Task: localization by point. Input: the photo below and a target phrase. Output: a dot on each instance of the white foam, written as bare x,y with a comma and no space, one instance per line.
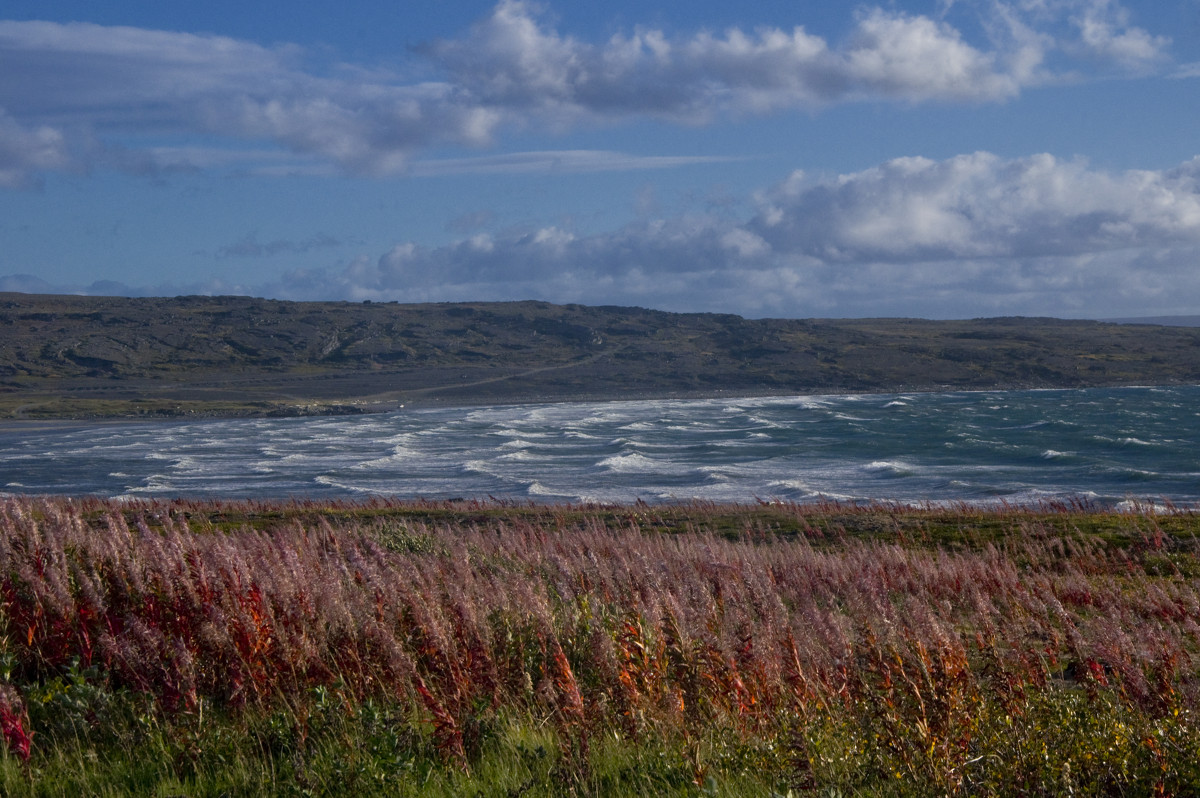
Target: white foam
185,464
791,486
379,463
513,432
768,423
322,479
893,467
538,489
155,483
1140,506
719,476
628,463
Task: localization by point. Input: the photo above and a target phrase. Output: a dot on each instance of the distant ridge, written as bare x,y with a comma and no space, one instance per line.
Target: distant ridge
1165,321
81,356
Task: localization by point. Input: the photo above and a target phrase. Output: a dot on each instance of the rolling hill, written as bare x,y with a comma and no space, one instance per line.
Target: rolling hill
74,356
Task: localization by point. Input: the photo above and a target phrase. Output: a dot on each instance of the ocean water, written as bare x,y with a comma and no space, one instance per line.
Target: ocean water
1104,445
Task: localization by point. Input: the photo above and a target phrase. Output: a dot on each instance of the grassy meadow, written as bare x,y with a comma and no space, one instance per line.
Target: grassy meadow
470,648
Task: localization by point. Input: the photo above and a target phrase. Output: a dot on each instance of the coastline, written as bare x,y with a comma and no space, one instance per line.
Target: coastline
90,359
135,411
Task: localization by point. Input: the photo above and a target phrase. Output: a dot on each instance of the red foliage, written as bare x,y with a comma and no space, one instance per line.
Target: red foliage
13,723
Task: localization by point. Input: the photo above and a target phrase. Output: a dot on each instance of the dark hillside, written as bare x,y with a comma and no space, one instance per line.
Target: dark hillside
93,356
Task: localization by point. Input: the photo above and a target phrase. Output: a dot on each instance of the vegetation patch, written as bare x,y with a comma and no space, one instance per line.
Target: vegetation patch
485,648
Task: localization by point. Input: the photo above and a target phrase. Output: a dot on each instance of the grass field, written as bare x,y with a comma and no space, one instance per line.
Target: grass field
206,648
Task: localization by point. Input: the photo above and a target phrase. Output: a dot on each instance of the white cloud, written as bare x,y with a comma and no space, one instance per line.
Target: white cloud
980,205
109,82
509,60
1095,29
26,151
1105,33
971,235
916,58
81,95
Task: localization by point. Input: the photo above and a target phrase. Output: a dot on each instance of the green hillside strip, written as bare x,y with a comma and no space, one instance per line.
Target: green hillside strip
79,357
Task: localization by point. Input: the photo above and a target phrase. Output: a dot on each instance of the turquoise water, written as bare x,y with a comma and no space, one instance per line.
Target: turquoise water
1105,445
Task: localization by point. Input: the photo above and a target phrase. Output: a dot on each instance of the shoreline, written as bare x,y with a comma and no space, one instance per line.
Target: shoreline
375,405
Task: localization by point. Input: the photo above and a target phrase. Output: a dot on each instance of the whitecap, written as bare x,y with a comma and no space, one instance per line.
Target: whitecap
378,463
328,481
517,433
538,489
1143,507
155,483
890,468
791,486
628,463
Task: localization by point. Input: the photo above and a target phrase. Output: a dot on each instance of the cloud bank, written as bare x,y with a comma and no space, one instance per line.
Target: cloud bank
972,235
78,96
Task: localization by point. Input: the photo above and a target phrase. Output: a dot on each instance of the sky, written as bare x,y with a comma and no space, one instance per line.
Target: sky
782,158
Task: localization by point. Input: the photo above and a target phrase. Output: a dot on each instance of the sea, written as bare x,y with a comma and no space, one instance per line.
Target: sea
1107,447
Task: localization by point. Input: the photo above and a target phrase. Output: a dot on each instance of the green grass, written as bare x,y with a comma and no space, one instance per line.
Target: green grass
1063,743
366,749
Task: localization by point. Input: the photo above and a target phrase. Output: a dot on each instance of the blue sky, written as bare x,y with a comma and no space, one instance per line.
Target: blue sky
936,158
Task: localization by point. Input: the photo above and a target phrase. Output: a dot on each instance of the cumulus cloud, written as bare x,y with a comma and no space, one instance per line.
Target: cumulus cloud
980,206
972,235
81,95
510,60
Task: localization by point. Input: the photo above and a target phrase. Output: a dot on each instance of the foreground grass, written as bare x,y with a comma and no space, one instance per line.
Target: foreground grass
191,648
